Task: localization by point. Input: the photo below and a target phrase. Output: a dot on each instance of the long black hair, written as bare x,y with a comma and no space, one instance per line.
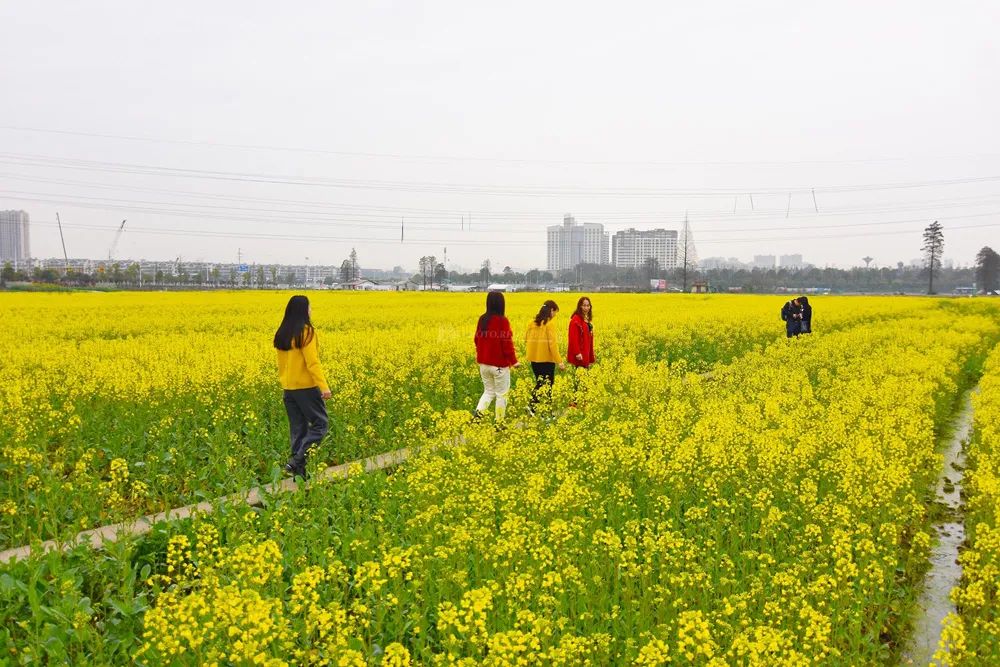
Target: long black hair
549,308
295,326
495,305
579,309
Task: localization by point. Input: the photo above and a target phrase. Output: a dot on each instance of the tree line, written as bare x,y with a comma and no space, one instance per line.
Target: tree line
985,275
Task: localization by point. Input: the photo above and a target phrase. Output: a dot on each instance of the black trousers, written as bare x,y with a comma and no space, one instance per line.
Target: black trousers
545,377
307,421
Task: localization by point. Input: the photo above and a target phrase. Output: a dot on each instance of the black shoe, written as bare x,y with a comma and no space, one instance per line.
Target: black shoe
477,416
296,469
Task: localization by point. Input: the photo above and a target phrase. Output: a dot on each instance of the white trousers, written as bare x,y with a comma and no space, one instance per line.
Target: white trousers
496,384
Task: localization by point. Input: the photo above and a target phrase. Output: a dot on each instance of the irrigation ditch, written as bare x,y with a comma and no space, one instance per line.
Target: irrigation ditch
945,572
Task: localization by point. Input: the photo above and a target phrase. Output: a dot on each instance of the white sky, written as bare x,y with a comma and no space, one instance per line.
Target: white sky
514,112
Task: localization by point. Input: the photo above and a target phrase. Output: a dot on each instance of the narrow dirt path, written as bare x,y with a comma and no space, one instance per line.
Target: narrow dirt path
95,537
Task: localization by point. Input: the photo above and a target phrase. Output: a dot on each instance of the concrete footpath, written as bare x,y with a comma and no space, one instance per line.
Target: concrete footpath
96,537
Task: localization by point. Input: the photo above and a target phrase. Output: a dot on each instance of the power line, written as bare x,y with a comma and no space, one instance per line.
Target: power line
498,160
159,209
461,188
489,242
413,212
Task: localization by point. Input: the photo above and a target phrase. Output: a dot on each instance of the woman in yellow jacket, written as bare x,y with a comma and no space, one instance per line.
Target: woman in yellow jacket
302,379
543,351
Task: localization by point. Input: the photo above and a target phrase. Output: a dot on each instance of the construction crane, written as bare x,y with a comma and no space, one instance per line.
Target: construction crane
114,244
63,239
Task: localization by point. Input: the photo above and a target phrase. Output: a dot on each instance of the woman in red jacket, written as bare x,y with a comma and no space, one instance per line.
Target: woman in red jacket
495,355
580,351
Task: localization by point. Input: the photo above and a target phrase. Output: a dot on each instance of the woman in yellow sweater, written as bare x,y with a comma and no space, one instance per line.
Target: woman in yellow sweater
543,351
302,379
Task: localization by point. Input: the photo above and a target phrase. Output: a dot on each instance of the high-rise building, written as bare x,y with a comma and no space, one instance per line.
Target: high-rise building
571,243
631,248
15,241
763,261
791,261
721,263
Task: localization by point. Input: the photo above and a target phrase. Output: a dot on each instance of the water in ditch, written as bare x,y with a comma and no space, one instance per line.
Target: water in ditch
945,572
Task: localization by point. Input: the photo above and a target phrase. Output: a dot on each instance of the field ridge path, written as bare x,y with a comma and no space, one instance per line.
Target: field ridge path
96,537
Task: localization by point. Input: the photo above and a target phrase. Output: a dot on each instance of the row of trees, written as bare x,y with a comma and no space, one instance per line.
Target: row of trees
486,276
431,271
129,276
985,274
900,278
9,274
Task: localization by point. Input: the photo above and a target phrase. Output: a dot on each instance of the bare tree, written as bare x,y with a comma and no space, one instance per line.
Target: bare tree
688,256
349,268
427,264
652,268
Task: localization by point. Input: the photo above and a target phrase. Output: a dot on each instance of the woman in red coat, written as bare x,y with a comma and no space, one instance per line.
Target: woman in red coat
495,355
580,351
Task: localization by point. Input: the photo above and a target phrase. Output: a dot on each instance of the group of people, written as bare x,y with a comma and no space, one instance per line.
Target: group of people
797,315
305,386
306,389
494,340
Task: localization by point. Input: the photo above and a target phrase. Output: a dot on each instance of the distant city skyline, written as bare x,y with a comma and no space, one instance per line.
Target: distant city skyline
707,263
637,244
567,245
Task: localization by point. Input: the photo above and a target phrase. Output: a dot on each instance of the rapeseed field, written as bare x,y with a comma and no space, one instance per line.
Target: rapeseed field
708,493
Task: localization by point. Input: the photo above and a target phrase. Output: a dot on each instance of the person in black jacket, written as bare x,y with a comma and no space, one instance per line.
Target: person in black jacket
807,315
791,313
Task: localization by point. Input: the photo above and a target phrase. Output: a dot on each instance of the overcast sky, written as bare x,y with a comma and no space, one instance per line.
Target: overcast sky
280,132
